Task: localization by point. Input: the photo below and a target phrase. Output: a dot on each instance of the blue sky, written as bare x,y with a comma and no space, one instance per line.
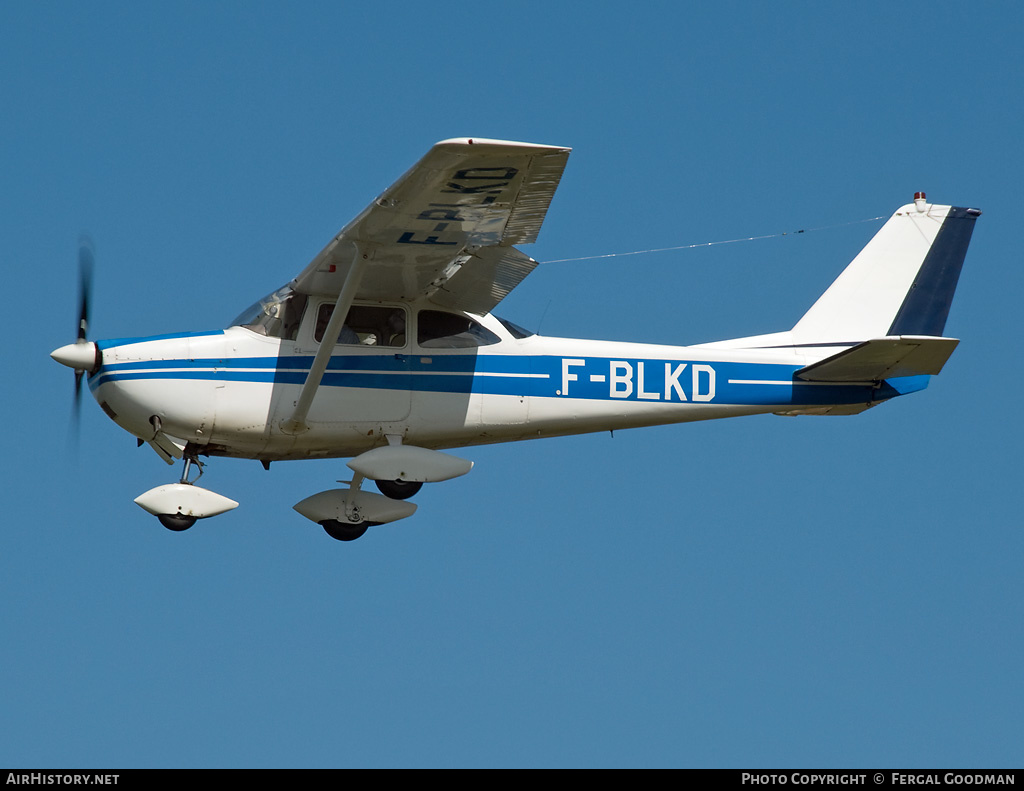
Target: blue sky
759,592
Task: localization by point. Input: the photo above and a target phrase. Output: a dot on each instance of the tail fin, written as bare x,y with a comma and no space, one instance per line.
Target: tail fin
901,283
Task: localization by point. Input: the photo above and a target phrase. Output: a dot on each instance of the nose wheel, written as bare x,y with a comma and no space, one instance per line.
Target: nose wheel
179,522
176,522
179,505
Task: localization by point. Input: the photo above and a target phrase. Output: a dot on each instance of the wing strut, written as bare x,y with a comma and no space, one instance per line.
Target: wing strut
296,424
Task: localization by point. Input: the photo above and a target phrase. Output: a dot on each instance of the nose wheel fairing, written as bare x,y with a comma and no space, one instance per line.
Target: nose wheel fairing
179,505
184,500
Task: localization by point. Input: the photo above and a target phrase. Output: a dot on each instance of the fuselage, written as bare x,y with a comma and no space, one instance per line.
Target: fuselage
228,392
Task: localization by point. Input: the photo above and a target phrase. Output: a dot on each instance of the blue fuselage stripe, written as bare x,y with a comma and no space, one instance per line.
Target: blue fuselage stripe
541,376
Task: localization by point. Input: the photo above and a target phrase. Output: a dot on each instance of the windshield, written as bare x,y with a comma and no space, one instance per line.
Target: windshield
515,329
277,315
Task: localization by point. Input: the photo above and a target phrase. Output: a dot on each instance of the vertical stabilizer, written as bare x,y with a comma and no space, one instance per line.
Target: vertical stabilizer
901,283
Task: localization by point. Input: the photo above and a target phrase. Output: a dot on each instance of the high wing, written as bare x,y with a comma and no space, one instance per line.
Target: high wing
445,229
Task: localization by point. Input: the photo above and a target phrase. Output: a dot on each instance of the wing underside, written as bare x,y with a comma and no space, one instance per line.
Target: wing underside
445,230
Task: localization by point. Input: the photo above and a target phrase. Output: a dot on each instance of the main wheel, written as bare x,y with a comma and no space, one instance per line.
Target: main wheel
176,522
399,490
345,532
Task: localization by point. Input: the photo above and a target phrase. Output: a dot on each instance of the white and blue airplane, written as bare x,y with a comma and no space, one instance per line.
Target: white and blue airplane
385,349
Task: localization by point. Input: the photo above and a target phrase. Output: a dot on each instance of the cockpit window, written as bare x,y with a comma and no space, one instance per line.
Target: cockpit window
439,330
277,315
515,329
365,325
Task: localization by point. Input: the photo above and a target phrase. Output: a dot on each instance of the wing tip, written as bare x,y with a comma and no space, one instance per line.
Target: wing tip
484,141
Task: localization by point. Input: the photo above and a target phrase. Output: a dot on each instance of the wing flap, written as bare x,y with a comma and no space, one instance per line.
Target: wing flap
882,358
484,279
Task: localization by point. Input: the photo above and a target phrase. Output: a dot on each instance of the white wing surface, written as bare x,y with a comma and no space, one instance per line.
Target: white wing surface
445,229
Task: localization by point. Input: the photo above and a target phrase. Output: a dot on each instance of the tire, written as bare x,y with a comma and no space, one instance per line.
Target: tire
399,490
176,522
345,532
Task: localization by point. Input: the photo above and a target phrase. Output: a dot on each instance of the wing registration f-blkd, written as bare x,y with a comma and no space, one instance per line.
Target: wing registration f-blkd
384,348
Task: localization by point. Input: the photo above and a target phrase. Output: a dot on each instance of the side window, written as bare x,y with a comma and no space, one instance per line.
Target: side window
439,330
365,325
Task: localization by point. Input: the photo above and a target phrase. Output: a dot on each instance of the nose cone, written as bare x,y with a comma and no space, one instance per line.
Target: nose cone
82,356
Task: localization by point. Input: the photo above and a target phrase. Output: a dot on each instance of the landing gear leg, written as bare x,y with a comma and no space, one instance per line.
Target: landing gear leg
190,459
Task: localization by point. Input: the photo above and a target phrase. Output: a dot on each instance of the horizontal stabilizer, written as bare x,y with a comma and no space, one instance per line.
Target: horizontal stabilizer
882,358
829,411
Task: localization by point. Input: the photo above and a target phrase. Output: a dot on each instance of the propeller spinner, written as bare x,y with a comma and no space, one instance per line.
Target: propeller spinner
83,355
